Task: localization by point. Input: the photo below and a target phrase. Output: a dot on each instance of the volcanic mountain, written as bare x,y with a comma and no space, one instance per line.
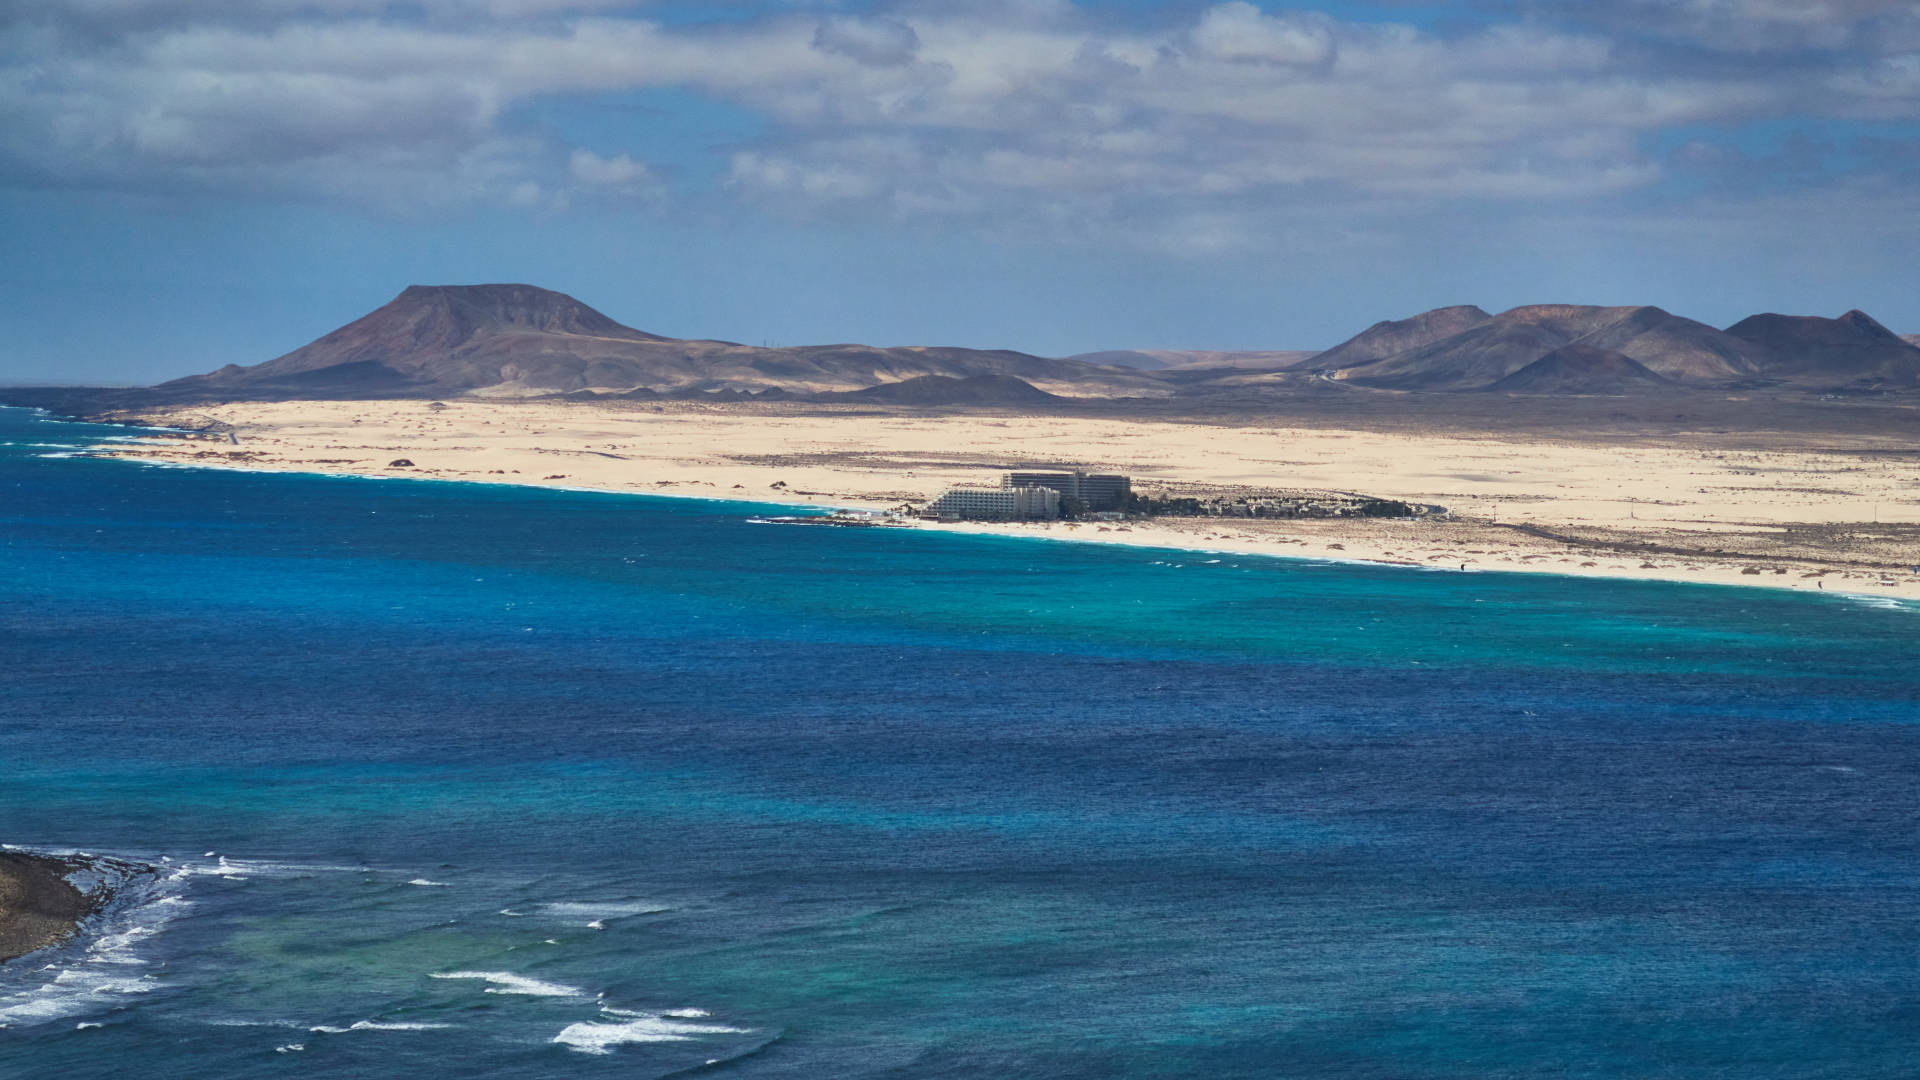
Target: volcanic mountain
518,340
1197,359
1488,351
1387,338
1850,352
1582,369
945,390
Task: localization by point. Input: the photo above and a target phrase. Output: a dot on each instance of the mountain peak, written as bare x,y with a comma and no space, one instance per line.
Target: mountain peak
1867,325
471,309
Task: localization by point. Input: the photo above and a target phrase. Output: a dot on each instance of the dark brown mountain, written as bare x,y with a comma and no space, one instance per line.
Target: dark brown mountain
518,340
933,390
1199,359
1384,339
1488,351
1582,369
1676,348
1482,355
1852,351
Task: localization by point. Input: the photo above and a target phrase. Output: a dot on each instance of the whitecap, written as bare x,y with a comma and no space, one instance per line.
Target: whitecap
424,881
241,869
289,1048
506,982
600,1038
377,1025
595,914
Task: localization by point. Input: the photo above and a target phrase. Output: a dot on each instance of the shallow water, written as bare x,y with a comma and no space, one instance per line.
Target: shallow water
532,783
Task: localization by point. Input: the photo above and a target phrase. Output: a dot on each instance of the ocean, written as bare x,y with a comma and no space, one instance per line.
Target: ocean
401,778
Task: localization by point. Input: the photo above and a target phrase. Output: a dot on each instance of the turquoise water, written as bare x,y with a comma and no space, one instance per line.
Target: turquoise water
406,776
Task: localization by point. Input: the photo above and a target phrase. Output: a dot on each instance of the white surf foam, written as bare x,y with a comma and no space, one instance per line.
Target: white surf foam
594,915
99,970
600,1038
1892,603
241,869
506,982
375,1025
424,881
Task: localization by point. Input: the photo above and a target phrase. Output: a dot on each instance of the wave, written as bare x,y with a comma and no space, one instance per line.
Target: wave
242,869
591,1037
506,982
595,914
1891,603
376,1025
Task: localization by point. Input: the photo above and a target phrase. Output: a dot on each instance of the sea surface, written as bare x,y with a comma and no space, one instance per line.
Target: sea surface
405,779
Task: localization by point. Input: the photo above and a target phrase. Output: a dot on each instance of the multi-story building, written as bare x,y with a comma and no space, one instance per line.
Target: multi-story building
1004,503
1100,491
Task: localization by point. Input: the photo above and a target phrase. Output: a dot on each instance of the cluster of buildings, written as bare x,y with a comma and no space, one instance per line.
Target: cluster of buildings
1034,496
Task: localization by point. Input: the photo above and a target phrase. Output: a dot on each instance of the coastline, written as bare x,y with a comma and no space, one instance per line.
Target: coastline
1523,504
39,907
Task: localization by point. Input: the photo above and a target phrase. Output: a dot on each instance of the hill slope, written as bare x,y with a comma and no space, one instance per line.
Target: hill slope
928,390
519,340
1480,356
1582,369
1852,351
1389,337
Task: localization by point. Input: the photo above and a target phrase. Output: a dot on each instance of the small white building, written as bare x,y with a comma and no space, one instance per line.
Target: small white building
996,504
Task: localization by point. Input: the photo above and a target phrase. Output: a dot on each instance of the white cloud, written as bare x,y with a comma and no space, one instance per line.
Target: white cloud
616,172
1240,31
1013,112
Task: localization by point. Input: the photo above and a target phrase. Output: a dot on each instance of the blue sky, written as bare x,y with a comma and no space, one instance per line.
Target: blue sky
190,183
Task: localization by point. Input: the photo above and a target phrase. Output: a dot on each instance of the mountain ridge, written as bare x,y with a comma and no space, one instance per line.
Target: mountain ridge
518,340
514,340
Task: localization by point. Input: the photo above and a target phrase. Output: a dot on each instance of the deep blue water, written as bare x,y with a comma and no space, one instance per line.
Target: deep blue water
901,804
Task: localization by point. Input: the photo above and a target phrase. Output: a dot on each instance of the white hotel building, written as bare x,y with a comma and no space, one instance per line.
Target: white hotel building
996,504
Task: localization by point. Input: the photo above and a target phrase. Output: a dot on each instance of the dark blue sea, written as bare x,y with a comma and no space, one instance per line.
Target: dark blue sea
413,779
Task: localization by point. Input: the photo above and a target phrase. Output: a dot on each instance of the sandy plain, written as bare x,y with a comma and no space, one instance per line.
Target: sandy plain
1821,511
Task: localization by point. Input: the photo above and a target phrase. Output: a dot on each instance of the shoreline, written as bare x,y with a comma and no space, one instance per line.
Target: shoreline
39,907
1588,522
1150,538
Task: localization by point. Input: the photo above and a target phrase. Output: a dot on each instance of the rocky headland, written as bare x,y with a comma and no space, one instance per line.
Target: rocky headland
39,907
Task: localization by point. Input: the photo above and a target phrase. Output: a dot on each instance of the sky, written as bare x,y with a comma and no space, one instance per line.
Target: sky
190,183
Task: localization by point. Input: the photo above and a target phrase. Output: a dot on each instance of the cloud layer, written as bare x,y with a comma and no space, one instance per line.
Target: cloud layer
1199,130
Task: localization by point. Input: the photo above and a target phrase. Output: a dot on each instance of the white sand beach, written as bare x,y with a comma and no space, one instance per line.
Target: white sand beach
1816,513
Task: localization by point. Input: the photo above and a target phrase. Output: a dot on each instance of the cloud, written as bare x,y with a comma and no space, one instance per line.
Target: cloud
1760,26
1020,115
883,42
618,176
1240,31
